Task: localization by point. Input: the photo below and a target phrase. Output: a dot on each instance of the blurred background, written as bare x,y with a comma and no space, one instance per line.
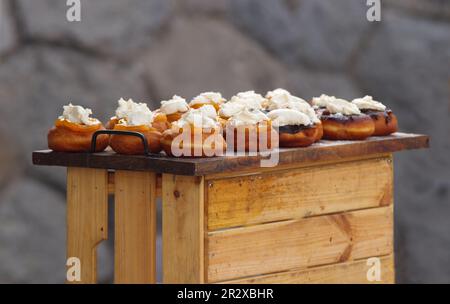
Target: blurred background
149,50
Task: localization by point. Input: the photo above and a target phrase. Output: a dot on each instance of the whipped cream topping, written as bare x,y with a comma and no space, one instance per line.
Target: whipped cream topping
277,92
288,117
244,100
250,98
322,101
208,97
232,108
199,118
247,117
282,99
367,103
174,105
131,113
305,108
209,111
78,115
341,106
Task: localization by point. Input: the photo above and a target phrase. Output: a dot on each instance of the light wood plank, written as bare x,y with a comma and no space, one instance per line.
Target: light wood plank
183,229
296,244
354,272
297,193
111,182
87,218
135,227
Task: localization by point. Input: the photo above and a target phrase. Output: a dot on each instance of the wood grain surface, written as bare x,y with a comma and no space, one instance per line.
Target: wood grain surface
135,227
299,192
322,151
87,218
183,229
353,272
297,244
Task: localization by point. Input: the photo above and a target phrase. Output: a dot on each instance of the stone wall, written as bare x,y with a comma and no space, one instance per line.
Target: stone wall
151,49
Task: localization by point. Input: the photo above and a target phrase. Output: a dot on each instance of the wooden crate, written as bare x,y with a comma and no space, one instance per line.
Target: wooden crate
298,219
317,217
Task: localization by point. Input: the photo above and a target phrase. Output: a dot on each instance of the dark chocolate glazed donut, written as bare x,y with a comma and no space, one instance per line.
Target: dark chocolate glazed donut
297,135
385,121
346,127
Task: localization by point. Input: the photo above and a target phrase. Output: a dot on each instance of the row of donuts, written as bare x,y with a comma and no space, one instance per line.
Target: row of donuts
297,122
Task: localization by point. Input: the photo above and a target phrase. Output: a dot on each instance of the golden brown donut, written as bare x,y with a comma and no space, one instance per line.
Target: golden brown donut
132,145
319,134
207,146
160,122
385,122
112,123
297,136
66,136
174,117
199,105
263,133
352,127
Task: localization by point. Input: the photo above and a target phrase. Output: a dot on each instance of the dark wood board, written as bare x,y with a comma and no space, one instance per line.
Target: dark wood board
325,150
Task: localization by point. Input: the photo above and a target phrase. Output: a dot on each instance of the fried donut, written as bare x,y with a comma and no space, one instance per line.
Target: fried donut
160,122
319,134
212,143
385,122
346,127
297,136
67,136
248,137
174,108
132,145
208,98
112,123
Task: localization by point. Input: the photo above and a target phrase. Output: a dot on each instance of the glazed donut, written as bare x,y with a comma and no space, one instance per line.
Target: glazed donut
131,145
248,137
295,128
347,127
385,122
112,123
319,134
160,122
174,116
208,98
67,136
174,108
297,136
281,99
212,143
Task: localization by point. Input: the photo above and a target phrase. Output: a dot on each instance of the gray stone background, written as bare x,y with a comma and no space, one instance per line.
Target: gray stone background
151,49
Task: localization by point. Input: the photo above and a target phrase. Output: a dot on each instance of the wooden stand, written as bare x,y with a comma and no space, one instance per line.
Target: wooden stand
315,218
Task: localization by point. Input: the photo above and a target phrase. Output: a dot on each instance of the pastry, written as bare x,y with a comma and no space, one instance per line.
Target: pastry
159,120
250,130
73,131
385,121
295,129
135,118
282,99
174,108
207,98
319,104
244,100
342,120
195,134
